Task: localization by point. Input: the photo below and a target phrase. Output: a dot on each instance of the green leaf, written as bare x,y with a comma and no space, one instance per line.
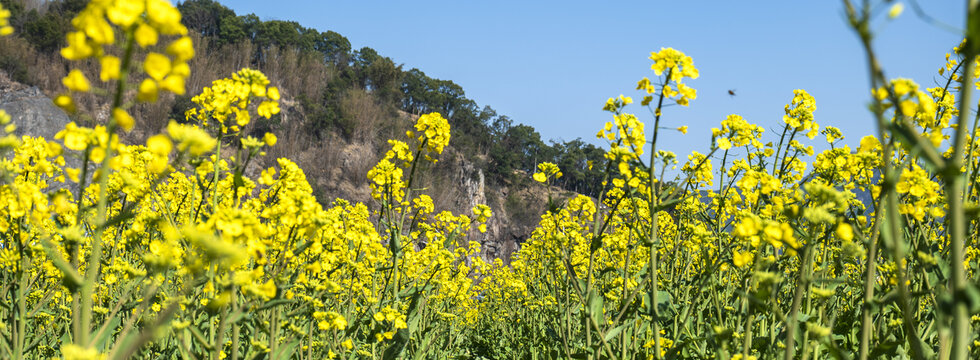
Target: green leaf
919,147
413,322
595,244
972,295
286,351
100,343
302,247
972,211
665,305
396,348
596,301
274,303
607,270
667,204
581,284
426,342
888,298
236,316
614,332
643,271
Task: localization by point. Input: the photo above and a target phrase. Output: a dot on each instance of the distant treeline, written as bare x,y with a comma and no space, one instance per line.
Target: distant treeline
508,151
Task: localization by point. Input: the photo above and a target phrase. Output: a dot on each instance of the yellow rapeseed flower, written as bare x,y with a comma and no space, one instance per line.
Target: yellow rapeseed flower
145,35
157,66
269,139
110,68
182,49
159,145
5,28
125,12
76,81
845,231
78,47
75,352
896,10
123,119
148,91
65,102
741,259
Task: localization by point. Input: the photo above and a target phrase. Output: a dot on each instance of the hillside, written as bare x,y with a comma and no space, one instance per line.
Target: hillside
340,106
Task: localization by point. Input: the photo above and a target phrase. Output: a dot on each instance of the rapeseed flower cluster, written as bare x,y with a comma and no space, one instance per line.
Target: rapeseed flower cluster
226,102
737,132
175,240
761,248
5,28
433,134
546,171
774,236
141,23
677,66
799,113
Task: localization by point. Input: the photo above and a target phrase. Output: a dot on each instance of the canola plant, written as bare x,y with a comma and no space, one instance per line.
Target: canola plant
169,250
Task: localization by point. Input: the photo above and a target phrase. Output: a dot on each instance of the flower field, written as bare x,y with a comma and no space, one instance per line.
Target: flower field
762,248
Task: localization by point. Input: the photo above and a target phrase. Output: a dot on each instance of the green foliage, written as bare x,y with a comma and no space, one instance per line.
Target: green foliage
518,148
233,29
44,31
14,67
182,103
208,18
224,27
581,164
325,114
335,47
382,76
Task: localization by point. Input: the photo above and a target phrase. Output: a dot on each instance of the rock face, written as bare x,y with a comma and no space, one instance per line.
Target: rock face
34,114
32,111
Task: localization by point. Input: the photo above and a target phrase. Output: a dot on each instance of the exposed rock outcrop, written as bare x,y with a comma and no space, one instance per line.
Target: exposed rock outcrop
32,111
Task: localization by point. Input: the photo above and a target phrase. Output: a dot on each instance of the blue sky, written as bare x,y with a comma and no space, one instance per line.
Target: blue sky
552,65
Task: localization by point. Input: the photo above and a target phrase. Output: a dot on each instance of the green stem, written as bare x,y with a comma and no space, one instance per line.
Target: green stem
21,336
971,164
801,286
869,283
892,232
95,260
779,148
652,202
954,181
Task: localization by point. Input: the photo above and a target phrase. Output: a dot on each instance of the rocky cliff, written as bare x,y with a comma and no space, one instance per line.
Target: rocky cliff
32,111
